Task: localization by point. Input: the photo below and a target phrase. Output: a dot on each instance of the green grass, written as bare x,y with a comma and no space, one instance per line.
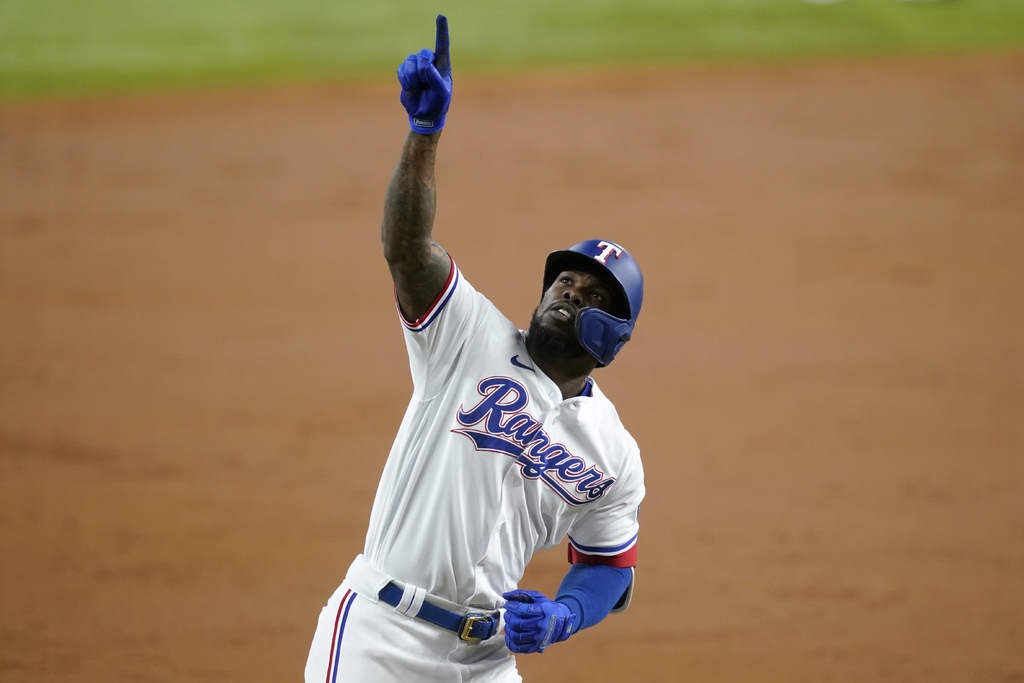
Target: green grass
70,47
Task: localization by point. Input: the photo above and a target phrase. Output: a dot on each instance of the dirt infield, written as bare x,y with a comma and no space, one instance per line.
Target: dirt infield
201,368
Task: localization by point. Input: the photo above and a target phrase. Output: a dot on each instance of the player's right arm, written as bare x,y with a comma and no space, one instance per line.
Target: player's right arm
419,266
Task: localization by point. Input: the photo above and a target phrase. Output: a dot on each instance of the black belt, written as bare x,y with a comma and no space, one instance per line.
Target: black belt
470,627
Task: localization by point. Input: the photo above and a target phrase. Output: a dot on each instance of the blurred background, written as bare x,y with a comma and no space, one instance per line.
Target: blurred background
201,370
56,47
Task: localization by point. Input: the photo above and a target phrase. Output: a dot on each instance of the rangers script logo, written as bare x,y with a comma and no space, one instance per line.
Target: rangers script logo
505,429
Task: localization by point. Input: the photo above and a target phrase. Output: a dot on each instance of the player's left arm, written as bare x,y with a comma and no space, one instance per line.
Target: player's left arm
602,552
589,593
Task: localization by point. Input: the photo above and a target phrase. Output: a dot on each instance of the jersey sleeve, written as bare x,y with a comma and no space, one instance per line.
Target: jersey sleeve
608,534
438,339
437,306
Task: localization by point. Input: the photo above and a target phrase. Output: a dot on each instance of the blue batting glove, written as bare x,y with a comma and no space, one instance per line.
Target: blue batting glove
533,621
426,79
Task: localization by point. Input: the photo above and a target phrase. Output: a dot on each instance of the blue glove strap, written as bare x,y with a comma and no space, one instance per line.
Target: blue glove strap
426,126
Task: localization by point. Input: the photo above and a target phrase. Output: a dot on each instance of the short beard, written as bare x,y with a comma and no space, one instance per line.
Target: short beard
554,344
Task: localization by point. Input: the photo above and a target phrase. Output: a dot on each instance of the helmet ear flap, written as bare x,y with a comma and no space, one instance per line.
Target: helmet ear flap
602,334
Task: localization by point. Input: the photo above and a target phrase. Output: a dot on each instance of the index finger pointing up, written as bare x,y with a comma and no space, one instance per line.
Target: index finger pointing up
442,61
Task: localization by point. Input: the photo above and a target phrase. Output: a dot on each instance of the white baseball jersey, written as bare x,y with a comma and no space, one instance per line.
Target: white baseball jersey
491,464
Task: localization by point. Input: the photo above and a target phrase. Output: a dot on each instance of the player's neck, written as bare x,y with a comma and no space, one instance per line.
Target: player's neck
570,378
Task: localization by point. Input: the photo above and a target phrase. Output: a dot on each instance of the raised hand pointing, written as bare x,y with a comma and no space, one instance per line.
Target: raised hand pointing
426,80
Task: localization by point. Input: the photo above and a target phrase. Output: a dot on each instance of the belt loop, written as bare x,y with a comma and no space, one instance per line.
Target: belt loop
411,602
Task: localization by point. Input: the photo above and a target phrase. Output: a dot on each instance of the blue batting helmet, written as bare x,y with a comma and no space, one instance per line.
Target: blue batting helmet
602,334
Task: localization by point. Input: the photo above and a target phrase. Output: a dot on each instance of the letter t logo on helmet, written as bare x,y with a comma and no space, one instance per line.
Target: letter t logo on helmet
608,247
602,334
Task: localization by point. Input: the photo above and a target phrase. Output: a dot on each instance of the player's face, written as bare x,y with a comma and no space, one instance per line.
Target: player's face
553,327
570,293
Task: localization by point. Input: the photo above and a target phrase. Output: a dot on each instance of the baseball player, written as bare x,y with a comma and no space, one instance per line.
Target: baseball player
507,447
